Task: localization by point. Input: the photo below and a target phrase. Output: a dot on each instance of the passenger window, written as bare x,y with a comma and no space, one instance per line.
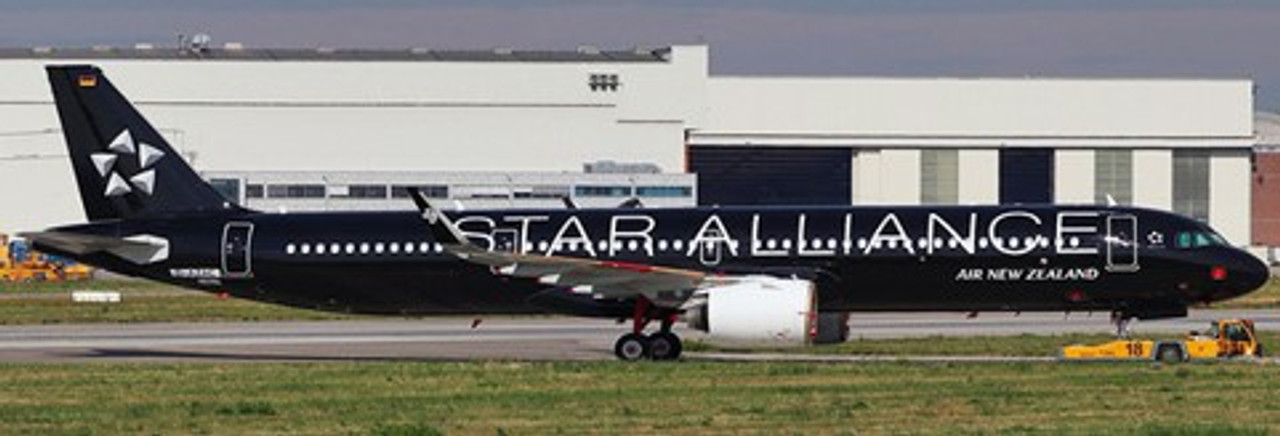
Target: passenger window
1184,240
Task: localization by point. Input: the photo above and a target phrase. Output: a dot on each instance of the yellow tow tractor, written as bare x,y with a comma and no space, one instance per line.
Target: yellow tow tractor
18,263
1225,338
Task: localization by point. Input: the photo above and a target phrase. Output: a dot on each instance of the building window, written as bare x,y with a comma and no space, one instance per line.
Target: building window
664,191
1113,176
253,191
482,191
541,191
602,191
939,176
1026,175
603,82
295,191
229,188
431,191
1191,183
366,191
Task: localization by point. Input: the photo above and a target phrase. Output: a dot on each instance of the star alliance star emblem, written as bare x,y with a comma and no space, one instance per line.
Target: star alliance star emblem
1155,238
144,179
431,215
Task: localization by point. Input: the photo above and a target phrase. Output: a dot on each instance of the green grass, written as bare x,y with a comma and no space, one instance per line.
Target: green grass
128,285
614,398
142,301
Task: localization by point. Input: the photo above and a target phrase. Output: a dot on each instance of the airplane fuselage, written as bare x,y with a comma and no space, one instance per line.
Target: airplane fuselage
1017,258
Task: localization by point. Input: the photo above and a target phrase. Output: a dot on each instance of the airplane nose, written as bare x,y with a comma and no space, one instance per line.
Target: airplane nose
1250,273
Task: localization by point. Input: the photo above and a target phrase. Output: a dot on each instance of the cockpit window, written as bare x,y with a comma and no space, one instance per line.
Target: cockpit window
1203,240
1184,240
1219,239
1200,239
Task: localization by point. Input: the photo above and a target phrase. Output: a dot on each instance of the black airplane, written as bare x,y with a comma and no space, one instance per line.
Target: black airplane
754,274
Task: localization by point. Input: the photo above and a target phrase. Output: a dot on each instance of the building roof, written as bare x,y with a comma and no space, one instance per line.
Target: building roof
235,52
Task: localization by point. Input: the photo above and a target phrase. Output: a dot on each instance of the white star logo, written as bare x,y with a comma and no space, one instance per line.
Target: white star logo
431,215
144,179
1155,238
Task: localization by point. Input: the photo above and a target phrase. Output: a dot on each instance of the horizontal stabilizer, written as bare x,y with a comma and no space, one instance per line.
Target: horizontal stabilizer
139,249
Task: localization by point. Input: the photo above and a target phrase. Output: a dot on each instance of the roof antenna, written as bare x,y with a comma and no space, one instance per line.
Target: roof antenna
1111,201
568,202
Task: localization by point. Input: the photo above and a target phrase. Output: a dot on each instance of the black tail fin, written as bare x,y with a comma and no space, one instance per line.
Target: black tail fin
123,167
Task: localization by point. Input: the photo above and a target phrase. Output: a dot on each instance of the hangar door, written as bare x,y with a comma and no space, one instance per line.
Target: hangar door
742,175
1026,175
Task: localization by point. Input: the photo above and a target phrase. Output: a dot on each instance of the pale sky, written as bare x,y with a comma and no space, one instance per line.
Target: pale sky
1084,38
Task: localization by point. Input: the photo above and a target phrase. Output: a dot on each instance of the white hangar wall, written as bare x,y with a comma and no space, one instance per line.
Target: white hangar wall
903,134
949,108
347,114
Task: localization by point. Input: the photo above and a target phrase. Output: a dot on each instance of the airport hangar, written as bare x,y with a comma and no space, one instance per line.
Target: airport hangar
308,129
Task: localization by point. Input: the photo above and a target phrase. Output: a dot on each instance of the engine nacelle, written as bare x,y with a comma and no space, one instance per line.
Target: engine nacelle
758,310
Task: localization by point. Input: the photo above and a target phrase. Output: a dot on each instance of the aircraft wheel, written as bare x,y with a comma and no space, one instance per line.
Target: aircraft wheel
631,347
665,346
1169,354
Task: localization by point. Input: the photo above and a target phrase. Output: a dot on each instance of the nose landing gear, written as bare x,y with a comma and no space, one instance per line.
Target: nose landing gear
1121,320
661,345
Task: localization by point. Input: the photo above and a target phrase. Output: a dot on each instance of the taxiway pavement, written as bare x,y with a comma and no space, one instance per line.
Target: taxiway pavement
453,338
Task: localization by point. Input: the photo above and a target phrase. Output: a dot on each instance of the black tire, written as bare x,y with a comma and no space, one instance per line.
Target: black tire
1169,354
1257,351
833,328
631,347
665,346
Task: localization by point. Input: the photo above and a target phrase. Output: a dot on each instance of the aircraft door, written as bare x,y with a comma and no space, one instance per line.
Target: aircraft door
709,252
1122,243
237,248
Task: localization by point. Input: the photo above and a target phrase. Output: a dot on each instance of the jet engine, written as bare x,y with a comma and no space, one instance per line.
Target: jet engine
758,310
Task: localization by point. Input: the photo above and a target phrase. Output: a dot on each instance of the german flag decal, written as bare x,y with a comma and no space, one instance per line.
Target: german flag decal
87,80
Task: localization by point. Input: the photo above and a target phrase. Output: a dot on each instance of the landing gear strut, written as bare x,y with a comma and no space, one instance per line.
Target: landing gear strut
662,345
1121,321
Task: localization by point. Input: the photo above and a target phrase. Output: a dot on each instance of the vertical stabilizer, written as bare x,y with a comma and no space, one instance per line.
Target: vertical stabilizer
123,167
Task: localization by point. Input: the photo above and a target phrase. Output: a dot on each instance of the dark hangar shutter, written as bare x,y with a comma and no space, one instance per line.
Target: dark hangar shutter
1026,175
738,175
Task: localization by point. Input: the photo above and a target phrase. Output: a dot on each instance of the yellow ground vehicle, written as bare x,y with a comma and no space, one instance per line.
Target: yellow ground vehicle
1225,338
19,264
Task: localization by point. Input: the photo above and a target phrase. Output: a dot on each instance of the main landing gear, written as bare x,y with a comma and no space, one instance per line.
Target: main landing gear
661,345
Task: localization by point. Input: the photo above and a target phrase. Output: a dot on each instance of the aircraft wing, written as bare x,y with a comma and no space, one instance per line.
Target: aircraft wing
601,278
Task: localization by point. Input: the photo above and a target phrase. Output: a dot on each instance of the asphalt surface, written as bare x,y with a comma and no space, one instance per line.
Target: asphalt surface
551,338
